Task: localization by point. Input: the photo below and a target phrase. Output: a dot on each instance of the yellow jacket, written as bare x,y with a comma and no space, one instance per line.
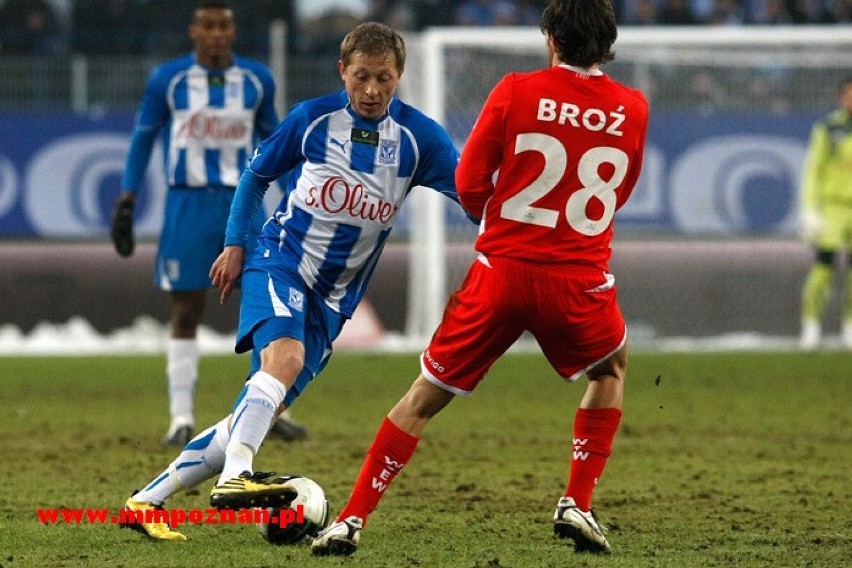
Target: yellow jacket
828,170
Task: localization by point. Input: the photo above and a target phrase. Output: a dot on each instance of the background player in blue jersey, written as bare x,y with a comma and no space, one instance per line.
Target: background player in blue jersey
351,159
211,108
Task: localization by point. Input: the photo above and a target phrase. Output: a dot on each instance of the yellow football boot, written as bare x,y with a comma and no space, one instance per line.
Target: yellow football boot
147,519
253,490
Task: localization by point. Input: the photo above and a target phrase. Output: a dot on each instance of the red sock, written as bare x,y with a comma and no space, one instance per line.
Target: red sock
594,430
391,450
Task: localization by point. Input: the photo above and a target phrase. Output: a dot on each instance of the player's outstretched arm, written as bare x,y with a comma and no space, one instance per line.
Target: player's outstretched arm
226,271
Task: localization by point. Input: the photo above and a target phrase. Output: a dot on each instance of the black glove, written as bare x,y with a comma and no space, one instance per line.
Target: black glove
122,226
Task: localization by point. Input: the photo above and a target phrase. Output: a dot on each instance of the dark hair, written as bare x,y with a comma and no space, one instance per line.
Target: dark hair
210,5
373,38
582,31
844,83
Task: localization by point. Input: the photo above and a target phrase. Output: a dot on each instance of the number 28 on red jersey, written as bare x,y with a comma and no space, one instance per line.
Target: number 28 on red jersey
567,147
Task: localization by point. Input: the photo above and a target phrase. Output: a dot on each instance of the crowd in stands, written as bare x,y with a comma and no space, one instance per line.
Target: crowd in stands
158,27
116,27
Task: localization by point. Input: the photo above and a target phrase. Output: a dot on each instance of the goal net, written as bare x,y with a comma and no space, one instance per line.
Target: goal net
703,82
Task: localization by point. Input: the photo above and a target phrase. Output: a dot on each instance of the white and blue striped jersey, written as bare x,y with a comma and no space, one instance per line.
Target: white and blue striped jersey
347,178
210,121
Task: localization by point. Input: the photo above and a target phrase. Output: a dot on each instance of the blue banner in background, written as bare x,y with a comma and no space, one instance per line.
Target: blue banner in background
720,174
60,174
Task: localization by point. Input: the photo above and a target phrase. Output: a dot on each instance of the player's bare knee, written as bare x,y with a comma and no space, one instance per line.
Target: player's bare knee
187,312
185,326
424,400
284,359
285,368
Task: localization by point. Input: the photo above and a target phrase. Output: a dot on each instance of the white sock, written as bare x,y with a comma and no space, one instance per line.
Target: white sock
846,333
161,488
182,371
252,418
810,334
201,459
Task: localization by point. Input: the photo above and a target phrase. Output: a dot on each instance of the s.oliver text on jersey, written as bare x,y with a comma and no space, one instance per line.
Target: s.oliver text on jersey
591,119
339,196
205,125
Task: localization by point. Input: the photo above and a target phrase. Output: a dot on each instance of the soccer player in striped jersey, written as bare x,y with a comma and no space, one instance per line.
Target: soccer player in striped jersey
210,108
568,142
350,159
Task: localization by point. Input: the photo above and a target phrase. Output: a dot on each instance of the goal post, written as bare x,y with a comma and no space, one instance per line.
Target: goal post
749,90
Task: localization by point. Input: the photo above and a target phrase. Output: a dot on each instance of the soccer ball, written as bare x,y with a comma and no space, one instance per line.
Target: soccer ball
306,516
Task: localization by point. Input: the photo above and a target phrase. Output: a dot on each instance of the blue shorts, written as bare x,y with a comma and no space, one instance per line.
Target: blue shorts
193,235
276,303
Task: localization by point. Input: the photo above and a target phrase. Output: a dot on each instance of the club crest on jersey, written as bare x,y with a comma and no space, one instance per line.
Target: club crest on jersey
387,152
296,300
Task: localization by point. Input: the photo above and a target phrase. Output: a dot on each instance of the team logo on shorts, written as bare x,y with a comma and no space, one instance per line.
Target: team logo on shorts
173,269
387,152
296,300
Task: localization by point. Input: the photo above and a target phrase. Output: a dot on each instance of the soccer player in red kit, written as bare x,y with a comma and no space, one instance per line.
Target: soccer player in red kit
568,143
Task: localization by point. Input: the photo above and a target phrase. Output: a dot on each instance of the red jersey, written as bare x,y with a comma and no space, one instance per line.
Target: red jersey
568,146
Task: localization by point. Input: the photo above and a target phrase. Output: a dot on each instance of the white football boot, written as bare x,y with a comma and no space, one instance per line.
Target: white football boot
339,539
581,527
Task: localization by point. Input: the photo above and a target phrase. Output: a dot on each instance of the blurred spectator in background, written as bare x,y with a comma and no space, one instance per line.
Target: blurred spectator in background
30,27
702,10
646,13
398,14
528,12
154,27
706,94
432,13
485,13
254,18
809,11
628,11
728,13
675,13
771,12
105,27
279,9
323,23
762,92
841,11
163,26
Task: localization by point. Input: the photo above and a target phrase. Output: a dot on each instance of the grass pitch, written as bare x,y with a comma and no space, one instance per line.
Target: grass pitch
722,460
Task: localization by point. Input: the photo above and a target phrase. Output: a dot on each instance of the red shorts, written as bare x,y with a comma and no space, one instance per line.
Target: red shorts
572,312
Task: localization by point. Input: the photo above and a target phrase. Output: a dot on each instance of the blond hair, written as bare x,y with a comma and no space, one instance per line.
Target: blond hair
373,39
